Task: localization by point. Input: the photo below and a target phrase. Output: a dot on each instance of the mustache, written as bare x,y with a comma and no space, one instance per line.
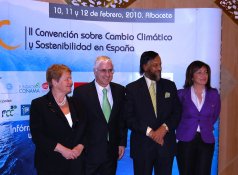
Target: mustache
155,76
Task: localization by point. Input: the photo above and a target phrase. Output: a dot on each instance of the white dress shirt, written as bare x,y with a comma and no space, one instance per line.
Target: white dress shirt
148,82
100,93
69,119
197,102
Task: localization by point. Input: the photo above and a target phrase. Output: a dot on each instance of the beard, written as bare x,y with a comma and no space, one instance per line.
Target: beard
155,76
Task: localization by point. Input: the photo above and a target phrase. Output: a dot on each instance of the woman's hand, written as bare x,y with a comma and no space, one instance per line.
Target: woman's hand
65,152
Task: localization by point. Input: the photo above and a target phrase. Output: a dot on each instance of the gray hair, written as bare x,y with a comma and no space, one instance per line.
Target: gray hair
101,59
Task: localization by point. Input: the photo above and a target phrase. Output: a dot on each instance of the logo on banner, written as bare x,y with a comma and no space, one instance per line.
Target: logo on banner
9,112
45,86
25,109
8,88
31,88
2,43
5,100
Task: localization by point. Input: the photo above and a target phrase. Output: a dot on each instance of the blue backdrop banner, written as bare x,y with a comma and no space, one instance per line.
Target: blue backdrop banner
34,35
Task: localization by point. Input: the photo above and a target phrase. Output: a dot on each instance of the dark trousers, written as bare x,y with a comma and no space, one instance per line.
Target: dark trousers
52,173
77,171
195,157
71,167
152,160
107,167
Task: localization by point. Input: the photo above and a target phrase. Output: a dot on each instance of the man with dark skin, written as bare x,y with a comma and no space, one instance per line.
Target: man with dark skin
152,112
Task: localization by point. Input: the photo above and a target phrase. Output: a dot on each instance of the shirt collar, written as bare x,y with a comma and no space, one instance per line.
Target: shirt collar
100,88
148,81
203,91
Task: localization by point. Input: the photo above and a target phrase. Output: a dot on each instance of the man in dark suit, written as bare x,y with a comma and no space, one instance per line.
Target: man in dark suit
152,111
105,129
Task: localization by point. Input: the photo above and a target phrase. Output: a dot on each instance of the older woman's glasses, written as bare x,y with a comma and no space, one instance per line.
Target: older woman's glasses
104,71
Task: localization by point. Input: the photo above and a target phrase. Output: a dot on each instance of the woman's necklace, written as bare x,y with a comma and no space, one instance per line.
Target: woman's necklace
63,102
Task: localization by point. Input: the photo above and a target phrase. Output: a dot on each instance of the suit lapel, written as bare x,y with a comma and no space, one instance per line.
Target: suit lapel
206,101
145,97
192,103
159,96
115,100
55,108
93,96
190,99
73,113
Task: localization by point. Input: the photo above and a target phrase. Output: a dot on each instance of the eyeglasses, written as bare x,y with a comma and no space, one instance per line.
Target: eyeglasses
104,71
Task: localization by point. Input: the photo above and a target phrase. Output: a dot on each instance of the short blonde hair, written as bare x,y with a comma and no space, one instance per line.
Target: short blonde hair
55,71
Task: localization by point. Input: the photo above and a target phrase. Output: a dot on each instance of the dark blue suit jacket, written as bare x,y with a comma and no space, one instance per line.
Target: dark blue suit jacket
139,114
97,145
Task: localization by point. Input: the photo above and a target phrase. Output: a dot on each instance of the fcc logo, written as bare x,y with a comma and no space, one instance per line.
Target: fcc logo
9,112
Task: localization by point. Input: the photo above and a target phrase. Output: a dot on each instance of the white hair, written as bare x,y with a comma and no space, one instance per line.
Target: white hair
101,59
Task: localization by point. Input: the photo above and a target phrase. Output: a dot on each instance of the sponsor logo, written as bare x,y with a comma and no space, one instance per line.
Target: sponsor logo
2,43
5,101
45,86
25,109
34,88
9,112
9,86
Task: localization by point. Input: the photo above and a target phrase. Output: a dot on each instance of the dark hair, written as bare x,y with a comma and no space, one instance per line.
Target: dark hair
145,57
55,71
192,68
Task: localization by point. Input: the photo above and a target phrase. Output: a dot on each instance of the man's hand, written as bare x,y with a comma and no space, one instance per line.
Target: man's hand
158,135
121,151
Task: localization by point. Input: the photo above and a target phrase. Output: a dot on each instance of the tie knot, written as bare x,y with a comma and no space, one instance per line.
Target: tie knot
104,91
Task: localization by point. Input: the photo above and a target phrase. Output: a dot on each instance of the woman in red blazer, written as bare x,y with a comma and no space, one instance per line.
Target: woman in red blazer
57,128
200,110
